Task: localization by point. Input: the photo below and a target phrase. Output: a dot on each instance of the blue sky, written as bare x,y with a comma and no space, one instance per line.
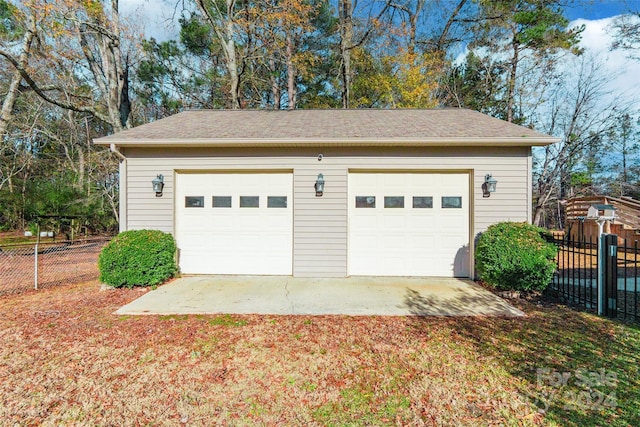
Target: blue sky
155,12
154,16
598,9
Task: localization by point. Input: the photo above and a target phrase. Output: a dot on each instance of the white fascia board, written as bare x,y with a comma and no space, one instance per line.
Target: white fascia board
330,142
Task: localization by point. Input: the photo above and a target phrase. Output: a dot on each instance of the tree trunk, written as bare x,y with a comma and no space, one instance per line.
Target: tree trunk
223,25
346,40
232,66
118,101
291,75
545,190
413,25
8,108
231,55
101,45
9,102
538,211
275,87
511,83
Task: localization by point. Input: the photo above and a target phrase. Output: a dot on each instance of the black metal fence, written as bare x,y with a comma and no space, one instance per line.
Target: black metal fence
576,277
627,280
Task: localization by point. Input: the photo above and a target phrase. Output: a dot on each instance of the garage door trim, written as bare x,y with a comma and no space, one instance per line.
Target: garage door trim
181,192
459,171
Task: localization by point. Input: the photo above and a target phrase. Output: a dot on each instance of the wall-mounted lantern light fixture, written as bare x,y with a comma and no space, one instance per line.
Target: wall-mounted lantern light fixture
158,185
319,186
489,185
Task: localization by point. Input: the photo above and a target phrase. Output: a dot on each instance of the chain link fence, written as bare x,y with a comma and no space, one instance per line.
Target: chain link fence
45,264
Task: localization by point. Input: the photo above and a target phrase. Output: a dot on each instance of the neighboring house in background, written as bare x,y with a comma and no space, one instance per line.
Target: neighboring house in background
626,223
403,189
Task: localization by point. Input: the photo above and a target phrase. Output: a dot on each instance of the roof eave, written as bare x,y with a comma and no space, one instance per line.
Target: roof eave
329,142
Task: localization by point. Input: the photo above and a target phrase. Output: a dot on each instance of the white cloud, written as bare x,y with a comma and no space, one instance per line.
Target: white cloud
624,72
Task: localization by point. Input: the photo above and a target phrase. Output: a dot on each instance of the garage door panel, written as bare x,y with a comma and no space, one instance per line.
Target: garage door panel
246,223
423,243
447,221
451,247
390,222
391,242
364,224
235,240
366,241
395,266
409,241
420,225
221,222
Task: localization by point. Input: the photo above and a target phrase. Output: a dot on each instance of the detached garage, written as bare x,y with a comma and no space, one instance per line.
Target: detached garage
325,193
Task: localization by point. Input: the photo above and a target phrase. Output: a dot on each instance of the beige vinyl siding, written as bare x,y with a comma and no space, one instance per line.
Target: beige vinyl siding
144,209
320,235
319,223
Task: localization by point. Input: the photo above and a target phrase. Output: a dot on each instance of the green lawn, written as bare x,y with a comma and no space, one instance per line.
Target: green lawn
65,359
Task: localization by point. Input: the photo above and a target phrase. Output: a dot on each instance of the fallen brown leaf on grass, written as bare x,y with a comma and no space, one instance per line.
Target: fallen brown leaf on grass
65,359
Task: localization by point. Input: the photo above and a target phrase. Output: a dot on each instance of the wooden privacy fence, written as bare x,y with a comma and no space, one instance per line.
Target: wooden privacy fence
625,226
576,278
39,265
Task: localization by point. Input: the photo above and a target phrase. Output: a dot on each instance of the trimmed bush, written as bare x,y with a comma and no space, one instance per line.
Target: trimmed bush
138,258
514,256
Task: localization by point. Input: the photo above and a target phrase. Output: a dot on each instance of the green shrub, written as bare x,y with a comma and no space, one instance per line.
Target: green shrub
138,258
515,256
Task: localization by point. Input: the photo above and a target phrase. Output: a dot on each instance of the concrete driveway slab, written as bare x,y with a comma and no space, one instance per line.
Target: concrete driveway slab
354,296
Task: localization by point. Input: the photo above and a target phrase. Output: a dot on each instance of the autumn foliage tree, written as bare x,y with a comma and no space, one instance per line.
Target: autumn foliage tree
405,80
81,63
72,70
70,79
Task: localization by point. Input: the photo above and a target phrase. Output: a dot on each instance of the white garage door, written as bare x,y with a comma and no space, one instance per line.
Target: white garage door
234,223
409,224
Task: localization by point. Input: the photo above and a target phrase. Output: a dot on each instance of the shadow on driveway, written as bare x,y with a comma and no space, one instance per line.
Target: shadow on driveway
458,302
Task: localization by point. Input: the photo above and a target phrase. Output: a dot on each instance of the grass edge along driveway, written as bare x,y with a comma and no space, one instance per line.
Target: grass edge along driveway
65,359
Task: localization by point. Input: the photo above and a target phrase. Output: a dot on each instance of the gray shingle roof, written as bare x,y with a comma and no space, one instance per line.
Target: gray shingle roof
327,127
